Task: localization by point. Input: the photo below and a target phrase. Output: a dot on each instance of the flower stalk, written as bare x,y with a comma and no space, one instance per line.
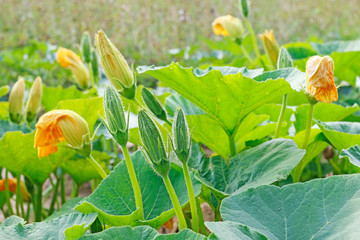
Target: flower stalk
308,125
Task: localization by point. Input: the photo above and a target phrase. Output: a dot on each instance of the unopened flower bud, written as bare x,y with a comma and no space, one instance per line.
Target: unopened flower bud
153,144
94,63
69,59
245,7
270,45
115,66
34,101
114,116
320,79
284,59
62,125
86,47
153,104
181,136
228,26
16,100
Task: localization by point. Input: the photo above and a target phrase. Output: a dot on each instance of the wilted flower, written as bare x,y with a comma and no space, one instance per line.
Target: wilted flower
228,26
320,79
16,100
12,188
62,125
271,46
115,66
34,100
69,59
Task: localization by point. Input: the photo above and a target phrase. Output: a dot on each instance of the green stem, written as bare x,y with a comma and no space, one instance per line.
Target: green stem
190,189
38,206
308,125
62,189
134,181
217,214
7,194
201,218
54,197
175,201
28,212
232,145
318,165
168,122
246,54
253,36
75,190
281,116
19,200
97,166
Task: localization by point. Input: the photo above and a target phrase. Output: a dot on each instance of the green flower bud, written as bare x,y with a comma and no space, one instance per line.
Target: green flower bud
181,136
245,7
284,59
153,104
34,101
94,63
115,66
16,100
154,148
86,47
114,116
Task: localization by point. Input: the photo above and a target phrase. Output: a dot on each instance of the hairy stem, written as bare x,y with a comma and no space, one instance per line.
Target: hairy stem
190,189
97,166
281,116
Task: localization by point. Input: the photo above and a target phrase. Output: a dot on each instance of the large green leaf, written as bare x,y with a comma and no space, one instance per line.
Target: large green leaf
323,112
124,233
234,231
49,229
81,170
318,209
328,48
353,154
51,95
261,165
142,233
341,134
7,126
114,198
4,90
226,98
88,108
17,153
300,50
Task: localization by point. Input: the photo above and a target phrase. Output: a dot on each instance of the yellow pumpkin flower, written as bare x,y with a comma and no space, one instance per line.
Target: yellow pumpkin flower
228,26
12,182
115,66
69,59
270,45
62,125
320,79
16,99
34,100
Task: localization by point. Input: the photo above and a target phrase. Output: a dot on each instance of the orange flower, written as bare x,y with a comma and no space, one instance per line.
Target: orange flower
62,125
320,79
228,26
69,59
12,187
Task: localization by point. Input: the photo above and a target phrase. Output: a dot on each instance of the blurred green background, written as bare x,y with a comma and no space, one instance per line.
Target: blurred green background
144,30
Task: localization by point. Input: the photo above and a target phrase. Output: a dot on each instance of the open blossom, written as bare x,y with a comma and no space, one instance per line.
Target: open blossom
62,125
69,59
320,79
12,182
228,26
